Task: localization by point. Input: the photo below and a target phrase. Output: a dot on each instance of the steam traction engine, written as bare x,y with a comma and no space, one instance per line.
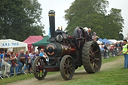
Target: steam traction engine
67,53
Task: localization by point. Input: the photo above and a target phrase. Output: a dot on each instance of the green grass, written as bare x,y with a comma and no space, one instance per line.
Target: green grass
106,77
111,59
113,76
15,78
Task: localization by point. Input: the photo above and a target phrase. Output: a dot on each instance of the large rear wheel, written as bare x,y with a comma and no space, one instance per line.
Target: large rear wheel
67,67
39,68
91,57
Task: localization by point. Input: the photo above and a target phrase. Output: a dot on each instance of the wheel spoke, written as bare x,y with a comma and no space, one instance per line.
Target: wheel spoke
91,52
68,60
97,59
39,74
70,65
69,71
95,65
92,47
96,51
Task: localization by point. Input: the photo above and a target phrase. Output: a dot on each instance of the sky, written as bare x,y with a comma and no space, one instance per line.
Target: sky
59,6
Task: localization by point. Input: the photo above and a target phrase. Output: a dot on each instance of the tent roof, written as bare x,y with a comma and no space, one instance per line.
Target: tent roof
100,40
42,42
113,40
32,39
10,43
104,41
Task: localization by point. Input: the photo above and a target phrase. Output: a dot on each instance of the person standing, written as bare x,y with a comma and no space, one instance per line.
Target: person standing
28,61
88,35
102,50
116,48
125,53
79,32
120,46
106,51
112,50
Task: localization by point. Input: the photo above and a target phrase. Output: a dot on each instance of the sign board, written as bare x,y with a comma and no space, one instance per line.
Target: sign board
9,43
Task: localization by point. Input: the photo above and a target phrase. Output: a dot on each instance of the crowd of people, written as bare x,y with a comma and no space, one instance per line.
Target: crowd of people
12,63
108,50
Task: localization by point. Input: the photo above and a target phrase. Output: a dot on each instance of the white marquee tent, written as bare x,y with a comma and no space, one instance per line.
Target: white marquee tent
12,45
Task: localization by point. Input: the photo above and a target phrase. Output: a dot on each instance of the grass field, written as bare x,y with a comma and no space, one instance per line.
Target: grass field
114,76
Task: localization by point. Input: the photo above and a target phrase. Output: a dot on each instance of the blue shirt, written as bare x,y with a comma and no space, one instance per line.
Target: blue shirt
101,48
41,54
1,56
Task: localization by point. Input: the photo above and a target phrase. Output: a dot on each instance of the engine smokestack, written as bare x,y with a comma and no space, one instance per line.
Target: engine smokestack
52,24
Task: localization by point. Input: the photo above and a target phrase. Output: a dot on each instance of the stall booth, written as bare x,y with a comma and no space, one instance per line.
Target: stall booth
30,40
13,45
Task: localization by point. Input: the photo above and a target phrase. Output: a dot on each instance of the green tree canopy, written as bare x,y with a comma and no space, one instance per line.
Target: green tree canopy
113,24
20,18
93,14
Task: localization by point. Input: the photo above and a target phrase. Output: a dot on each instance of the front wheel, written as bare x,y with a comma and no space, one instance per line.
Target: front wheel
67,67
39,68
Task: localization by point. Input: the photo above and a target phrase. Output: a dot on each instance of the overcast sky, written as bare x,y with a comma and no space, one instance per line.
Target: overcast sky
60,5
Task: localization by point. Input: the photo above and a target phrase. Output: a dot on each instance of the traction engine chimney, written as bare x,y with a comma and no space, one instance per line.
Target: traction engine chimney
52,24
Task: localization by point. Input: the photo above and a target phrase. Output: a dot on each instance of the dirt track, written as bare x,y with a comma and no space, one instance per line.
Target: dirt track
56,79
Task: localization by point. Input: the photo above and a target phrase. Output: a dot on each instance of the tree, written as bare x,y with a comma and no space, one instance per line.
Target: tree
120,37
93,14
20,19
113,24
81,11
117,22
